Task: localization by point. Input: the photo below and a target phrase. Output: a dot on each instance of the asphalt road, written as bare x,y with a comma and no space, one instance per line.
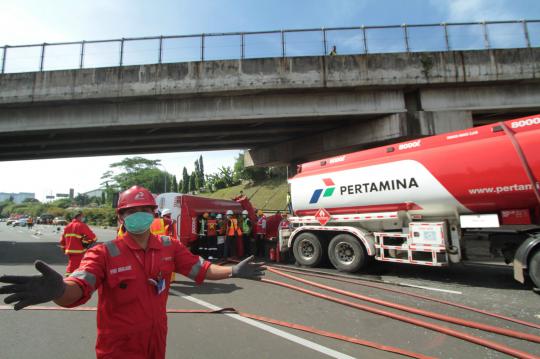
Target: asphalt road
63,334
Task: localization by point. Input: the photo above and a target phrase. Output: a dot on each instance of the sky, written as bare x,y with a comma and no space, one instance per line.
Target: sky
38,21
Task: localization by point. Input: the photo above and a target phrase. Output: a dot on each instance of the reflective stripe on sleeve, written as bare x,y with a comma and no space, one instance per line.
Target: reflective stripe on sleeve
112,248
196,269
74,251
86,276
166,241
73,235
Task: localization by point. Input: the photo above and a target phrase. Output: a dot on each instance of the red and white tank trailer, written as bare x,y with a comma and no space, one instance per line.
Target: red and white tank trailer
470,195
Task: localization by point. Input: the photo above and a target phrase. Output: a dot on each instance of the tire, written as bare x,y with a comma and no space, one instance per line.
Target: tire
346,253
308,250
534,268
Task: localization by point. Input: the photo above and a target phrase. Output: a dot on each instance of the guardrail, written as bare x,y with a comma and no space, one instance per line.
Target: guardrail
264,44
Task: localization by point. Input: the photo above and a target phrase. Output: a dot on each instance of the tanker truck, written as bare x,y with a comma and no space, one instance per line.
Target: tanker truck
470,195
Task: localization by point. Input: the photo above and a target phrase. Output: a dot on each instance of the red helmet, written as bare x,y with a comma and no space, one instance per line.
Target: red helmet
134,197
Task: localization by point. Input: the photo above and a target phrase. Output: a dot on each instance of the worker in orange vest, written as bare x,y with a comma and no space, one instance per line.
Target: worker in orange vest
164,225
77,237
234,235
131,275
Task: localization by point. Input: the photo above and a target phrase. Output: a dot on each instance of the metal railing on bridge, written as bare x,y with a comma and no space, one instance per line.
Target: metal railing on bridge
265,44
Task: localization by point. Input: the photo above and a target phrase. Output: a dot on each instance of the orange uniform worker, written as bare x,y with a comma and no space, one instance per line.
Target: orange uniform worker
233,241
77,237
131,275
164,225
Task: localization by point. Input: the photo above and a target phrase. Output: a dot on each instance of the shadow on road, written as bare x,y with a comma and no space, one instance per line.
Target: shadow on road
24,253
460,274
189,288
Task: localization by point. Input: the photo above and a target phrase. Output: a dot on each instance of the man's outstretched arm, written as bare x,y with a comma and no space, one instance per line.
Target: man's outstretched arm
31,290
246,269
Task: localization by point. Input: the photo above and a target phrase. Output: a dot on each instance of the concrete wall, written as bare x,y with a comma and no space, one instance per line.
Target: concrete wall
273,74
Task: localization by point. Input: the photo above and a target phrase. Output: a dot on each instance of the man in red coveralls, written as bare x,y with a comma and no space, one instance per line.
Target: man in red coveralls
132,275
77,237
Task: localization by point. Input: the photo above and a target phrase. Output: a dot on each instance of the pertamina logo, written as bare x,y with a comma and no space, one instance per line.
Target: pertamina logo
139,196
328,191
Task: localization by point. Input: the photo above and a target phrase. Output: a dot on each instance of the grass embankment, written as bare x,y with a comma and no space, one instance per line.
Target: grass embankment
269,195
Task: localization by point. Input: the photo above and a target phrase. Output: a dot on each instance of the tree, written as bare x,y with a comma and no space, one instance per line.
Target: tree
174,185
201,171
137,171
192,183
82,199
185,181
30,200
197,172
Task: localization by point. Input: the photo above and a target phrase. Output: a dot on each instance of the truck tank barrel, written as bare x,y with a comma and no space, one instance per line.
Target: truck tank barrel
477,170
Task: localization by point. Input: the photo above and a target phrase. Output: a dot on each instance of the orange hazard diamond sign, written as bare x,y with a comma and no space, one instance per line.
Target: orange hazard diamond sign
322,216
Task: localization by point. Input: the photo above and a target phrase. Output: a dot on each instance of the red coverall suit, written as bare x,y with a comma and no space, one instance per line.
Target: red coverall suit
131,315
76,236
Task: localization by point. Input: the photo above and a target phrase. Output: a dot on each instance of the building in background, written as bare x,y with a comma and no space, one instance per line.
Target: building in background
17,197
95,193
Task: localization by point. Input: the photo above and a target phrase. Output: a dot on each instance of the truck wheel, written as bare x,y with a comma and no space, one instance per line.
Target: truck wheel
534,268
346,253
307,249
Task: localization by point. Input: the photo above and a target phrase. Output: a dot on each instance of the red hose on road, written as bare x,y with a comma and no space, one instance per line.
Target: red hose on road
426,313
471,338
304,328
457,305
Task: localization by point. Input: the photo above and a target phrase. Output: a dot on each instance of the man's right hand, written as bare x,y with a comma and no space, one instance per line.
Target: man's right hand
31,290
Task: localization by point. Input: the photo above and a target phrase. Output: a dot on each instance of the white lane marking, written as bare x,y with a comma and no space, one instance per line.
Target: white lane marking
293,338
430,288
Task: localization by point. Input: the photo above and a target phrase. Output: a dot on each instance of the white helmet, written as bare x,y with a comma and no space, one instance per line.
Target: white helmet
219,216
229,212
165,212
245,212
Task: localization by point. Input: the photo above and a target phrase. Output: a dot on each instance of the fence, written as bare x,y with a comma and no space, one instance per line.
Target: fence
264,44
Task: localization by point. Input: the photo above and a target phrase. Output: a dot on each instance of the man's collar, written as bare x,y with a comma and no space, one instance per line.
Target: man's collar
153,242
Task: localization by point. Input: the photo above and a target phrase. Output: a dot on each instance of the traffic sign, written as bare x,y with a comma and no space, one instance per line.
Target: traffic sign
322,216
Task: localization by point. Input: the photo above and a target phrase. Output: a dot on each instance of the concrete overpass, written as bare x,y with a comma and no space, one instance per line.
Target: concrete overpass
284,110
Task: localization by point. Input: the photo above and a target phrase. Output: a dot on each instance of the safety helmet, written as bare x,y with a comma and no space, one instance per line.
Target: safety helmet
135,196
165,212
77,213
245,212
219,216
229,212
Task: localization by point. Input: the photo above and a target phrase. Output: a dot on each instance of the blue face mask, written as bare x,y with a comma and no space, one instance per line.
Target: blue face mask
138,222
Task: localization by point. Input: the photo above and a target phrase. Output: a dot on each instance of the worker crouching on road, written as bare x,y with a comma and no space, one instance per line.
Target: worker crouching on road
75,240
132,276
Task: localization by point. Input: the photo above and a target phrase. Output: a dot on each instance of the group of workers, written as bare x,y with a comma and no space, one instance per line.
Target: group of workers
131,273
233,236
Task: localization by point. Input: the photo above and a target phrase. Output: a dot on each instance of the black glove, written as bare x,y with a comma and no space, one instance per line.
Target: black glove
29,290
247,269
